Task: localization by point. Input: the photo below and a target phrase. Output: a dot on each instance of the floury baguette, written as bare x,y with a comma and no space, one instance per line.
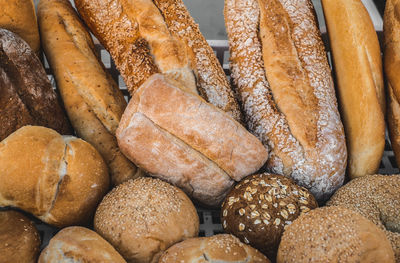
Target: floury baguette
180,138
91,97
146,37
283,79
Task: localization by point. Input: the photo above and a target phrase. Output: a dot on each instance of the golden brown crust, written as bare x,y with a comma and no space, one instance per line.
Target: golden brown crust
261,206
144,217
358,67
300,147
19,17
58,179
392,70
377,197
92,99
334,234
119,34
213,84
19,238
204,143
79,244
219,248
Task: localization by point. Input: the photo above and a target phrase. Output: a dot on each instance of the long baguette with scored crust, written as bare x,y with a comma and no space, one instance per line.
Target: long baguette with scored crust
281,73
391,24
92,99
358,66
145,37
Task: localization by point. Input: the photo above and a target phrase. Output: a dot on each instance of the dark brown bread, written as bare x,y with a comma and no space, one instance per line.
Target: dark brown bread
260,208
19,238
26,95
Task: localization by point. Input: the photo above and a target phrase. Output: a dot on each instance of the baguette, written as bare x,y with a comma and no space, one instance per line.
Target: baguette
358,67
282,76
392,69
145,40
92,99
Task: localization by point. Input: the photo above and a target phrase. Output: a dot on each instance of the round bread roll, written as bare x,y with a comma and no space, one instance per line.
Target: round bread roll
142,218
59,179
334,234
220,248
19,17
260,207
79,244
377,197
19,238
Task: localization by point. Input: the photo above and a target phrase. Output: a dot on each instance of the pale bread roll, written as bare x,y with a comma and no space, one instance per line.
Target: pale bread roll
187,141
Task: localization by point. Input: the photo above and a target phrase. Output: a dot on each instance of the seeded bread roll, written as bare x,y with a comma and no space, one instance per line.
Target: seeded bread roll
142,218
19,17
219,248
377,197
334,234
191,144
281,73
19,238
358,67
145,37
26,95
78,244
59,179
260,208
92,99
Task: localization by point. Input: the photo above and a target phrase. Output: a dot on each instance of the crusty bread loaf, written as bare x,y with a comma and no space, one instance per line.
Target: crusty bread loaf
334,234
281,73
358,67
213,85
91,97
19,16
19,238
59,179
391,51
377,197
26,95
141,42
219,248
78,244
191,144
141,218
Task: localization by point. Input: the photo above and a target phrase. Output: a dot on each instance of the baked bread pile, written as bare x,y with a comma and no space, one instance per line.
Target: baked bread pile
119,176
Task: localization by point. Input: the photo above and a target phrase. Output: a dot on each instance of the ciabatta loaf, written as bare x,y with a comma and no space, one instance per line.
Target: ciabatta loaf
186,141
